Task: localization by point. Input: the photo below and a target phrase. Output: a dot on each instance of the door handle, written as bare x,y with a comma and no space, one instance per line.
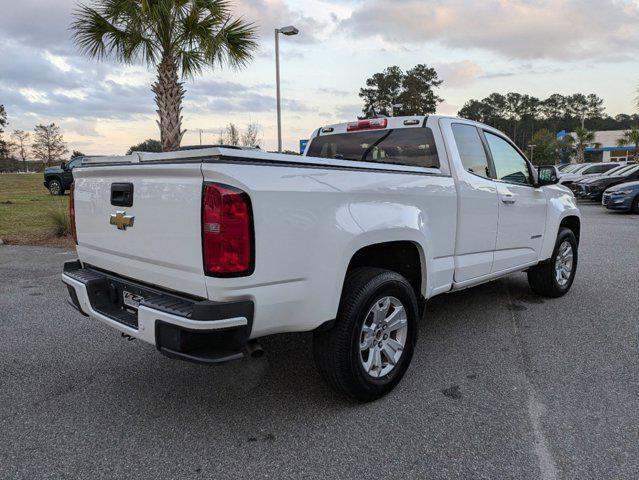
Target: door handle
508,198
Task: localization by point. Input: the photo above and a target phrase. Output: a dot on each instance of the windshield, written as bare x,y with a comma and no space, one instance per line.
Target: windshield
404,146
632,169
564,168
581,168
613,171
573,168
625,169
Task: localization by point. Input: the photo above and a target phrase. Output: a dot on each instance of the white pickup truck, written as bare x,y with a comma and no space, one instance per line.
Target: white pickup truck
202,252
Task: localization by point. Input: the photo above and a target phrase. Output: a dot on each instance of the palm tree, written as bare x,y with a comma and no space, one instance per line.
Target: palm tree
584,138
177,38
631,137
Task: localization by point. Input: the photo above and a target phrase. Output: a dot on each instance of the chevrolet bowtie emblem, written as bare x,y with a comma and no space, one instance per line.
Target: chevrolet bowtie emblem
121,220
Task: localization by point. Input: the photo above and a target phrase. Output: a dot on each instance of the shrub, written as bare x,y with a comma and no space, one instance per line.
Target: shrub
61,222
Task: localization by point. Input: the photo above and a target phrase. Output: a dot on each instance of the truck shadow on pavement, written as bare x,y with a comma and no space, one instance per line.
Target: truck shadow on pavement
285,381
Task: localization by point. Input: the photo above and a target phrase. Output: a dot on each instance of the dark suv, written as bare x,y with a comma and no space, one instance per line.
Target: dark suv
594,190
59,179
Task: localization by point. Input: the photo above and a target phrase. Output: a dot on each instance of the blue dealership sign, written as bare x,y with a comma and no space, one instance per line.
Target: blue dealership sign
303,144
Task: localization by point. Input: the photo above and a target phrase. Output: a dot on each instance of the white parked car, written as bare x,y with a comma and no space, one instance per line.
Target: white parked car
584,170
202,252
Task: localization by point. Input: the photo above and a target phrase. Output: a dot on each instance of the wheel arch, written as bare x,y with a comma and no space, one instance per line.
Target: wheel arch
573,223
405,257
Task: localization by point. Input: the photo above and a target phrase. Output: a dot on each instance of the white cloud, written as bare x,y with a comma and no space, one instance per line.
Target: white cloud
34,96
271,14
555,29
457,74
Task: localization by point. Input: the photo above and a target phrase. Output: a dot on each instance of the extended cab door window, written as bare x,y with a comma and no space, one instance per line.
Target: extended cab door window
510,166
471,149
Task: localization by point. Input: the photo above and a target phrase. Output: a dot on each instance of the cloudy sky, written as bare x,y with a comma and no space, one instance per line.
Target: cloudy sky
537,47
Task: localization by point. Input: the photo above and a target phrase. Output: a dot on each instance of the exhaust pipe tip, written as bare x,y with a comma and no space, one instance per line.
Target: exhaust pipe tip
254,349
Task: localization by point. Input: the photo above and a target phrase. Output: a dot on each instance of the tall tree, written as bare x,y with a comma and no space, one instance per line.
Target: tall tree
20,139
48,143
584,138
566,148
230,135
473,110
418,97
520,115
382,92
393,92
546,150
251,136
630,137
177,38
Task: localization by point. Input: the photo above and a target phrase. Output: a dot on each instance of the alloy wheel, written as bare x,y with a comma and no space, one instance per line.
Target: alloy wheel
383,336
564,263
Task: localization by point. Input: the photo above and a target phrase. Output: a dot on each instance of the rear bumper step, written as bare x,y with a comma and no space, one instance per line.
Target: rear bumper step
199,331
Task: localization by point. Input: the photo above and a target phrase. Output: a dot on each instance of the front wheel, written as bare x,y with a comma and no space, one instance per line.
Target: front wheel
371,345
55,187
554,277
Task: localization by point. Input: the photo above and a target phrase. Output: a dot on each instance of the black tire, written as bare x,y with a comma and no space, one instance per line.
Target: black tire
337,351
543,277
635,205
55,187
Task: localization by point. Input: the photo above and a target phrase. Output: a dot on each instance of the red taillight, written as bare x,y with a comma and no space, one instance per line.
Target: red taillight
372,124
74,233
227,231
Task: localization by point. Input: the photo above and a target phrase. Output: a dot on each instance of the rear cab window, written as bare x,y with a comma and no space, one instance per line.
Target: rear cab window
413,147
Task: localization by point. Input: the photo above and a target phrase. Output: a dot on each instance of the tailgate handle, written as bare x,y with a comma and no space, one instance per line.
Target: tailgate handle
122,194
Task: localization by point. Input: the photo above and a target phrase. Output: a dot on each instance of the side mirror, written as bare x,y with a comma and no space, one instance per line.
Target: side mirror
547,176
63,165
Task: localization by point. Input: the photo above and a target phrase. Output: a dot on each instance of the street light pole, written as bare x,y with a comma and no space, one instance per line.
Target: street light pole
290,30
277,86
532,151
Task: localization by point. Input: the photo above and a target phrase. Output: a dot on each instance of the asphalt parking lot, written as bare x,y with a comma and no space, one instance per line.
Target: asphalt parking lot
504,384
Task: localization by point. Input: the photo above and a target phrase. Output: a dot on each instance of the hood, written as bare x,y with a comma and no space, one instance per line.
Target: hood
606,180
625,186
591,178
55,169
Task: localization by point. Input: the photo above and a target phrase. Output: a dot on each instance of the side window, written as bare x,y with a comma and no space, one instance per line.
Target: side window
510,166
471,149
602,168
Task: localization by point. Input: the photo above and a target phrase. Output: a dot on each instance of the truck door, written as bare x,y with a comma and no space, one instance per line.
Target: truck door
522,207
477,204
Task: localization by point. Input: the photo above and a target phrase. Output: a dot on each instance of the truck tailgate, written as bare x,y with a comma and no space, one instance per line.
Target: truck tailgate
163,245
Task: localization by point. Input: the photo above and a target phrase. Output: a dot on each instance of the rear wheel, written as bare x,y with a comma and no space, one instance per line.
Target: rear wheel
371,345
55,187
554,277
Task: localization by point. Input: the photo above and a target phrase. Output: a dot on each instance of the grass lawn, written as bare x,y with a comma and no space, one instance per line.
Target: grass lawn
25,209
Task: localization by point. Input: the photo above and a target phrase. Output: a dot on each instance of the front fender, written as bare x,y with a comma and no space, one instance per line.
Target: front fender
561,204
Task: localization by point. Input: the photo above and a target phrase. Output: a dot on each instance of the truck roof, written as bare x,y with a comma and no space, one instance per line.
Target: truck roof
407,121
